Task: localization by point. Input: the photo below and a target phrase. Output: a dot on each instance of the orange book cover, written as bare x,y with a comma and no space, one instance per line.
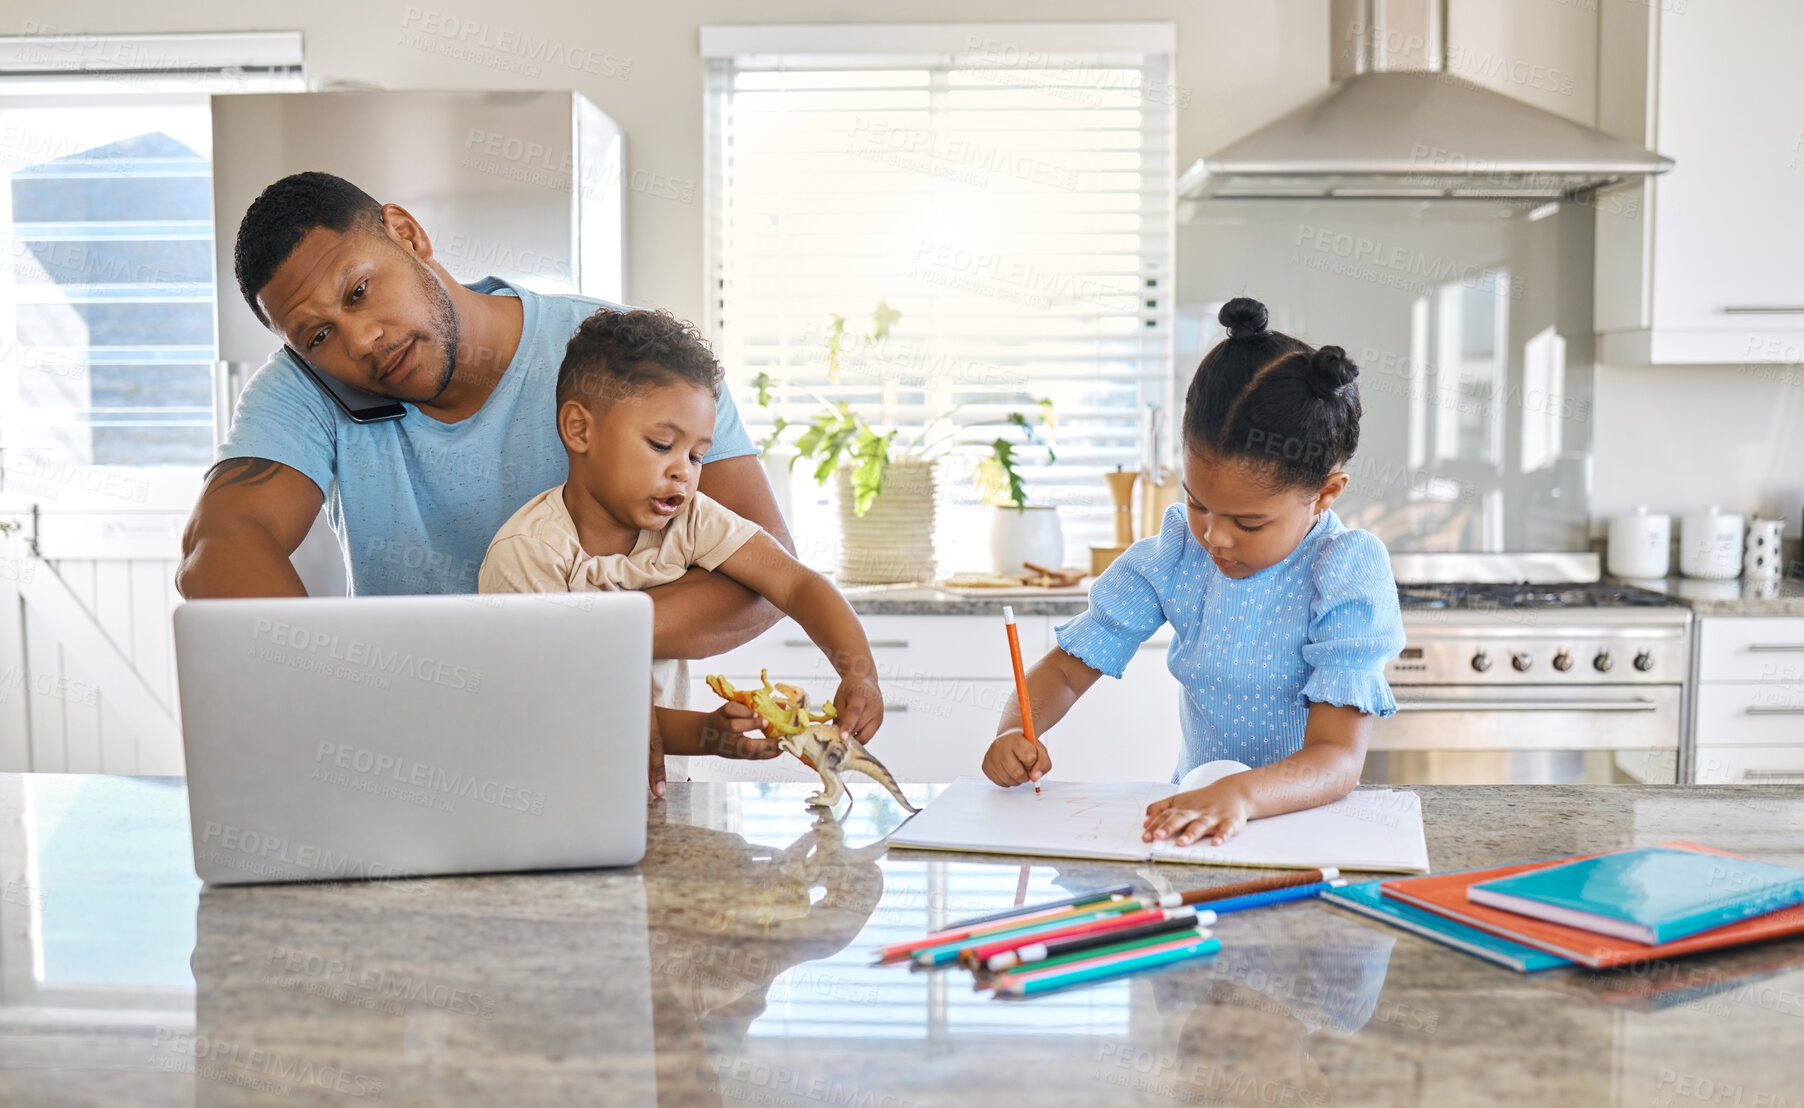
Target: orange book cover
1445,894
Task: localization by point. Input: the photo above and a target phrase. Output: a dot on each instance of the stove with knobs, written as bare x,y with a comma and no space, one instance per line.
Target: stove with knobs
1534,683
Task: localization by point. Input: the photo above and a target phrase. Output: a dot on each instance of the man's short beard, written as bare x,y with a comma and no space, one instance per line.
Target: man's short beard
443,326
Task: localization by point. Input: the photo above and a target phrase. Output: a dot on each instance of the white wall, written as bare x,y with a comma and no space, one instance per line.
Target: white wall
1674,437
1679,438
1241,63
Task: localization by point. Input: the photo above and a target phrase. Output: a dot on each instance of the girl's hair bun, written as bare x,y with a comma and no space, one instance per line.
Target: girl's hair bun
1244,318
1330,371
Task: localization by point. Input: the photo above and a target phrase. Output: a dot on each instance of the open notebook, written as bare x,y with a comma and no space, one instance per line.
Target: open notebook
1371,829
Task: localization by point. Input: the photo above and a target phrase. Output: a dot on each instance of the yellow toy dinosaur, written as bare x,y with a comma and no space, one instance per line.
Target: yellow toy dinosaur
810,737
783,708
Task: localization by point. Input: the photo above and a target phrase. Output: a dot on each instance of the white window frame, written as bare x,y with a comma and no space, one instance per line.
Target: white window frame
770,44
123,511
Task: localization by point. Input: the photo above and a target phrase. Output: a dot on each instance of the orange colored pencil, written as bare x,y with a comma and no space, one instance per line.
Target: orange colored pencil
1014,649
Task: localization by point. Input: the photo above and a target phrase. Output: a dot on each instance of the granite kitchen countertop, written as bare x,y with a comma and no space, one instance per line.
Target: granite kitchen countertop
926,600
1783,597
733,966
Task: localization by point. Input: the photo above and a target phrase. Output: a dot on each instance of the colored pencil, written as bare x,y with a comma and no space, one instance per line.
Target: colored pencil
1244,888
979,954
1014,649
1068,902
1275,896
987,980
897,951
1061,963
1105,968
946,952
1035,952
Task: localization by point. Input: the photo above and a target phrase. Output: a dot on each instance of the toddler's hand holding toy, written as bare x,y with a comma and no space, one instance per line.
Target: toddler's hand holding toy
860,706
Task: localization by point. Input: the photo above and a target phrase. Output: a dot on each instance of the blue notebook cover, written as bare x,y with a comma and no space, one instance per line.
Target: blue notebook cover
1653,894
1366,898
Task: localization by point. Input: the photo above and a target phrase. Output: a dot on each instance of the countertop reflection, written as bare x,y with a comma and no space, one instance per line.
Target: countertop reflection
733,966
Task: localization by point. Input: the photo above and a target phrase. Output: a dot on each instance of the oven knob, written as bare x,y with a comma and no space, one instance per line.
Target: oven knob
1603,661
1644,661
1563,661
1521,661
1481,661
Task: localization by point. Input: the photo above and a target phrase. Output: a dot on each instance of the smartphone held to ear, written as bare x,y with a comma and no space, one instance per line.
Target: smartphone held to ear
357,405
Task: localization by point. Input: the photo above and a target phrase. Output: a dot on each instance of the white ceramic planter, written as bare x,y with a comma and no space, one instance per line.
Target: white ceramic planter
1022,535
776,462
892,543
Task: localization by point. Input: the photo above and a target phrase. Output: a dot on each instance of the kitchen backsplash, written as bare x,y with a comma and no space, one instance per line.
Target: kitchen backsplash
1681,438
1472,324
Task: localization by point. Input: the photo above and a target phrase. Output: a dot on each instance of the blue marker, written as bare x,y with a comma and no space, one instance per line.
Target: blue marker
1275,896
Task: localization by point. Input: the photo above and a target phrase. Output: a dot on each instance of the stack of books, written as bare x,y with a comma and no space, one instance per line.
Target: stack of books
1601,910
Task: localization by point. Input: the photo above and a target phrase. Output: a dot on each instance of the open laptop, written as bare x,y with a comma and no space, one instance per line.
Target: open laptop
393,736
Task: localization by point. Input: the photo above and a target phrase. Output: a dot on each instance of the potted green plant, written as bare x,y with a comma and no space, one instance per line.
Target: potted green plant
885,479
1024,538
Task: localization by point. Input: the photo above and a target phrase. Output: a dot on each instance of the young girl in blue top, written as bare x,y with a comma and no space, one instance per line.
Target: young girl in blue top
1282,617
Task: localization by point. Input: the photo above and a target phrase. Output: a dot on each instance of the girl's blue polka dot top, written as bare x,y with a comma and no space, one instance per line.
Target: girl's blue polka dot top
1251,654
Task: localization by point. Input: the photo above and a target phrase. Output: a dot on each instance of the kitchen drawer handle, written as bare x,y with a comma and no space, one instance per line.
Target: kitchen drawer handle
1771,776
888,707
1154,645
1775,647
1759,711
1763,309
876,644
1526,706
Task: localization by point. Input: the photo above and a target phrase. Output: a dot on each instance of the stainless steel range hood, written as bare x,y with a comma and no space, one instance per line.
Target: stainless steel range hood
1397,123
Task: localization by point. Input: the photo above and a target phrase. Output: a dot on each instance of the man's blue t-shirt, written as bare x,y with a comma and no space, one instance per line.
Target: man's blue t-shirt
414,501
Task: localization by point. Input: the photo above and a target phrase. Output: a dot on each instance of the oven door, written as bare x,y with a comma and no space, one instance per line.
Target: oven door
1527,734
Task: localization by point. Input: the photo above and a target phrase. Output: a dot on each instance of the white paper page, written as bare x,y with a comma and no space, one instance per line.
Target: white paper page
1370,830
1067,819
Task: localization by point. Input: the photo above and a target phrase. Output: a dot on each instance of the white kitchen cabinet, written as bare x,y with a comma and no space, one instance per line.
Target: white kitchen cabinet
1126,730
903,646
1751,648
1700,264
946,680
1748,700
1750,765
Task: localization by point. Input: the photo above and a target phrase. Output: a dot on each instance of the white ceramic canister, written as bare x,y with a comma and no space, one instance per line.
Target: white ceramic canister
1022,535
1710,545
1760,551
1640,544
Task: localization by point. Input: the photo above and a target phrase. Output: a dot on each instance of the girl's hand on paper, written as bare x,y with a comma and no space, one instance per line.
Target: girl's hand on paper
1217,812
1012,760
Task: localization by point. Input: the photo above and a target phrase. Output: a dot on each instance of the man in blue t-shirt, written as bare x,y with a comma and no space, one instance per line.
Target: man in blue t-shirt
352,286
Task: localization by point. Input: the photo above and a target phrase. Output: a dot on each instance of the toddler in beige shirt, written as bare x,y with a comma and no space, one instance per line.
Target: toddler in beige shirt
635,408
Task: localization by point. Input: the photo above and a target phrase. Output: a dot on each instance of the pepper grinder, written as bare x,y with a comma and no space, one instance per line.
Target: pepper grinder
1121,491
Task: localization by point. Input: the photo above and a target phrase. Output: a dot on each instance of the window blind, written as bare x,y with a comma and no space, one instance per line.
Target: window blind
106,294
1015,207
